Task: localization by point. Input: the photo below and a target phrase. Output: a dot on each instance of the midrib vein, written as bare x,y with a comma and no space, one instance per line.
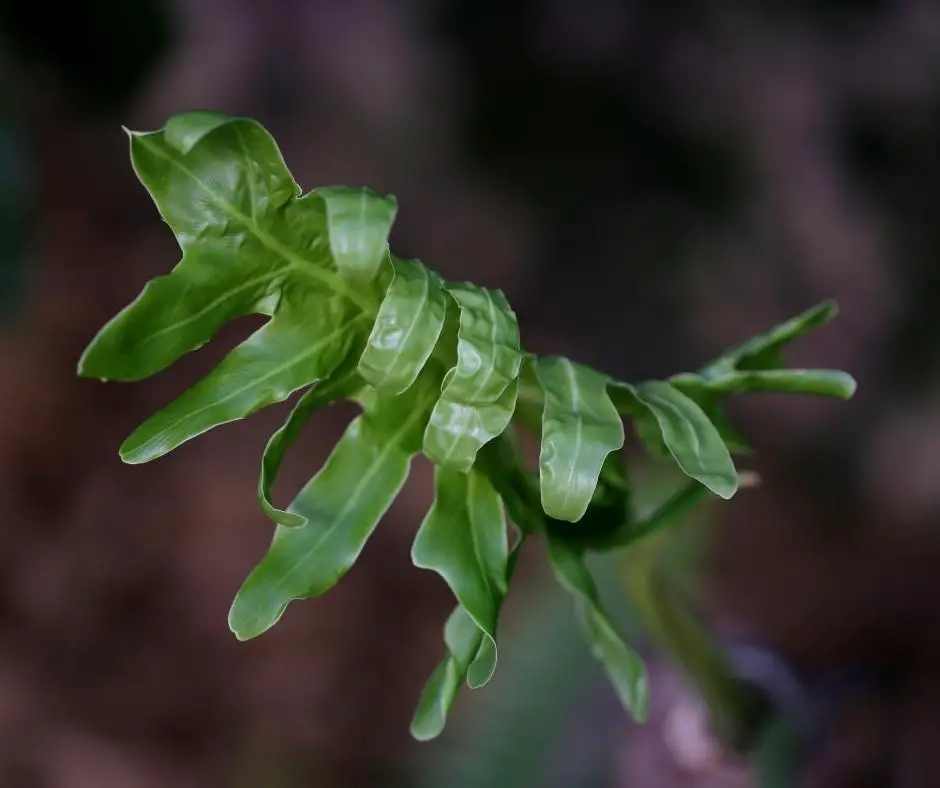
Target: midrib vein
390,446
315,348
295,260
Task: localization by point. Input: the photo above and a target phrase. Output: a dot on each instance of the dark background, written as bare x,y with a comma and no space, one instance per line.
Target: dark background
648,182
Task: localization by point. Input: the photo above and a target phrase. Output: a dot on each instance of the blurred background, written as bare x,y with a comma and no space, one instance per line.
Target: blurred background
648,182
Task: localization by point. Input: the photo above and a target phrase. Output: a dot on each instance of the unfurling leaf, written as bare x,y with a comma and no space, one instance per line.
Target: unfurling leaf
342,505
358,223
623,665
464,539
406,329
479,392
580,427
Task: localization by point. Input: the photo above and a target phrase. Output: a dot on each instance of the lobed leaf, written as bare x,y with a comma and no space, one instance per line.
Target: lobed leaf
479,393
250,245
408,326
342,505
580,427
463,539
684,429
358,223
624,667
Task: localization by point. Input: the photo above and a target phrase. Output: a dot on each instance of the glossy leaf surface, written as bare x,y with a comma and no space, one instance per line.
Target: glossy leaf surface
580,427
406,329
463,539
479,393
358,223
342,505
688,434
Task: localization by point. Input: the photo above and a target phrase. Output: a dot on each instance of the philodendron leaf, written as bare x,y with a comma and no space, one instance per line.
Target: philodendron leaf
479,392
463,639
623,665
222,186
342,505
463,539
580,427
250,245
358,221
343,384
684,429
407,328
434,366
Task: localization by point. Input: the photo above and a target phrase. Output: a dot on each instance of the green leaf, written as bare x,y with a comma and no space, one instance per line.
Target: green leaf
457,431
463,638
763,351
358,221
434,366
623,665
407,328
299,346
479,393
250,245
342,504
339,386
610,510
685,430
580,427
463,539
186,130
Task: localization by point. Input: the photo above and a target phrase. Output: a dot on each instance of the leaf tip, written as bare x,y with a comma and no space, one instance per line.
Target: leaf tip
242,626
640,704
422,732
133,452
724,487
483,667
849,386
87,367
